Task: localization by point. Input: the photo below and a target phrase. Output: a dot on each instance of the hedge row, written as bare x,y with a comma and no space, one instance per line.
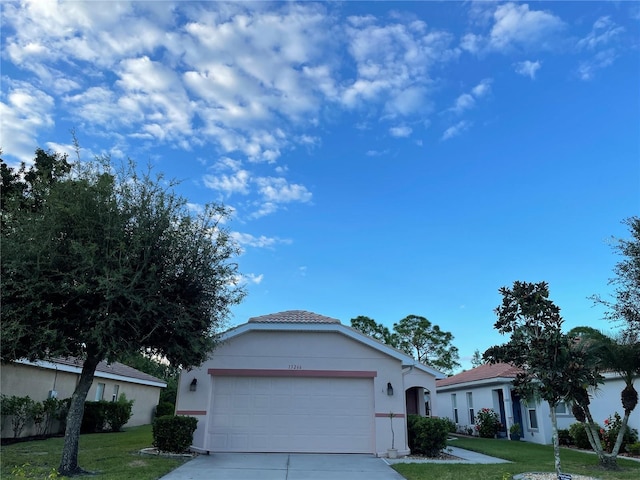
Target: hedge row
104,416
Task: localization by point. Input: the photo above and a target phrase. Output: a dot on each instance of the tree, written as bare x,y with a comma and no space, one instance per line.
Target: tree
160,369
99,263
620,354
415,336
551,367
625,305
477,359
425,342
370,327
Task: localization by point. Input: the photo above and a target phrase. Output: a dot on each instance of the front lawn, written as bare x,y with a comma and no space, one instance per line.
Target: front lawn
111,456
526,457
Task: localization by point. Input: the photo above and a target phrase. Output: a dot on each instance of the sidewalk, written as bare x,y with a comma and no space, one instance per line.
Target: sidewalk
466,456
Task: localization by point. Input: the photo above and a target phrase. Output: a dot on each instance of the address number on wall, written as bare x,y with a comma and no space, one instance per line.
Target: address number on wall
295,367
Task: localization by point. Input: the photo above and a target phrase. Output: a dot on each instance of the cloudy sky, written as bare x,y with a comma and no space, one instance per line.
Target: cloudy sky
382,158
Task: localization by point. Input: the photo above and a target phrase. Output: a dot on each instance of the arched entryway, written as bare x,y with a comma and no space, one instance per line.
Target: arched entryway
418,401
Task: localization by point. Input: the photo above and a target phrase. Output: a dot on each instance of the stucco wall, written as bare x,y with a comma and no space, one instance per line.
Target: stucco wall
36,382
283,350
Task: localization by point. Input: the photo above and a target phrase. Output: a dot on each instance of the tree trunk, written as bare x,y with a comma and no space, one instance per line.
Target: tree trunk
620,437
556,443
69,461
608,462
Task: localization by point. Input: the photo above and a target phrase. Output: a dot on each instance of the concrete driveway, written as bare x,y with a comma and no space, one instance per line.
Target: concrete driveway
284,466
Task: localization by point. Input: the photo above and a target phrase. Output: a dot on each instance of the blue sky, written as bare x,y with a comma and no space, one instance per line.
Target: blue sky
381,158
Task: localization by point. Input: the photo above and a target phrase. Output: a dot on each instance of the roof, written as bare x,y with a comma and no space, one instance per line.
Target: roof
293,316
301,320
115,370
483,372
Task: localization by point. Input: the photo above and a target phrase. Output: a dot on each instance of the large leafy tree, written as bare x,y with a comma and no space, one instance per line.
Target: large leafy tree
417,337
101,262
624,304
551,367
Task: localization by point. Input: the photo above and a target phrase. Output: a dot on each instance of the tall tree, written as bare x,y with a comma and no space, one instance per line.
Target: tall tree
551,368
625,305
376,330
427,343
476,359
107,262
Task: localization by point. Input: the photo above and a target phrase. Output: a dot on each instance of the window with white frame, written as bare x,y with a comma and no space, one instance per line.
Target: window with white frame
99,392
454,404
533,418
472,413
116,390
561,408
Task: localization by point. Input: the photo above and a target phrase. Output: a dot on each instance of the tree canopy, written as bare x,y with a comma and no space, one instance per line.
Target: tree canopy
417,337
100,262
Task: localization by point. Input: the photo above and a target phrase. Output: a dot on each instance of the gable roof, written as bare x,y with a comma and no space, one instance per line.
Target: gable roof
114,371
301,320
293,316
484,373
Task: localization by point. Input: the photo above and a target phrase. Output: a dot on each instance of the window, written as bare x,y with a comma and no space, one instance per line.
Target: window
472,416
561,408
116,389
99,392
454,404
533,419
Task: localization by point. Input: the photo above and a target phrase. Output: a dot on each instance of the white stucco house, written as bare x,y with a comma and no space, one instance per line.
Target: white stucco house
296,381
460,396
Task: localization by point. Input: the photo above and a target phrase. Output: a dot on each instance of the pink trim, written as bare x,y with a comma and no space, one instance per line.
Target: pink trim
254,372
191,412
387,415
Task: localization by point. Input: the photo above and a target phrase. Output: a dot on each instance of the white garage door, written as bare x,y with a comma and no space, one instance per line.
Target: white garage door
276,414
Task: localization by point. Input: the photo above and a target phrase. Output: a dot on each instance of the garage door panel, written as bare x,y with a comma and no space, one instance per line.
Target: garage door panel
280,414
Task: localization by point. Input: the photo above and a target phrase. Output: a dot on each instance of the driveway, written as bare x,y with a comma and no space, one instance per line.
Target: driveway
284,466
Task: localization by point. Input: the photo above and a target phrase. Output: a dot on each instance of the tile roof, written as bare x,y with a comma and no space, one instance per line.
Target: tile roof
115,368
293,316
483,372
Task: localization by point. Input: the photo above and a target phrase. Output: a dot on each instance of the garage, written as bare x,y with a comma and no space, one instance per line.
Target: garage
297,381
284,414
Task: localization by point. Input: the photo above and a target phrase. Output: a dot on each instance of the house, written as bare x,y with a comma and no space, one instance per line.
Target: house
296,381
58,377
460,396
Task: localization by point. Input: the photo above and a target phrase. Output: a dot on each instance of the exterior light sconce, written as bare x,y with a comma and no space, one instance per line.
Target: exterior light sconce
389,389
193,385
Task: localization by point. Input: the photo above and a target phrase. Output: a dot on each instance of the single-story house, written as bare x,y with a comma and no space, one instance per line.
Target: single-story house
460,396
58,378
296,381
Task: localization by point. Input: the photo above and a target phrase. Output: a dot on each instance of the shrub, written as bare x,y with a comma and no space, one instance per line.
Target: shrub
451,424
487,423
173,433
165,408
427,436
578,434
117,414
20,409
564,437
609,433
94,417
634,448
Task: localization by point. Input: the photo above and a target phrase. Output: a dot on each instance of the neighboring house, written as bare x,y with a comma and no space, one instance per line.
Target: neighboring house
460,396
58,377
297,381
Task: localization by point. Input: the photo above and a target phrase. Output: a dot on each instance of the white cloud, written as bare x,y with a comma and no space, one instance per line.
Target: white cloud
467,101
24,110
238,182
253,278
400,131
603,59
278,190
246,239
482,89
455,130
517,25
528,68
604,31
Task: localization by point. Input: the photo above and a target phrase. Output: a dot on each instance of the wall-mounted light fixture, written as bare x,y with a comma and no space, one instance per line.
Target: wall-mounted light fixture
194,385
389,389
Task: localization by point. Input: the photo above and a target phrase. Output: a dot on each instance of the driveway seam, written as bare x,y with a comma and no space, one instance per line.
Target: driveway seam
288,461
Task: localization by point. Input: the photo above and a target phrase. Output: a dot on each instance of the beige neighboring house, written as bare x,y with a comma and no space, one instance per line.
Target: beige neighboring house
297,381
58,377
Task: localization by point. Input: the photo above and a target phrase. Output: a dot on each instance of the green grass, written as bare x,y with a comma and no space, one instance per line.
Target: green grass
110,456
526,457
